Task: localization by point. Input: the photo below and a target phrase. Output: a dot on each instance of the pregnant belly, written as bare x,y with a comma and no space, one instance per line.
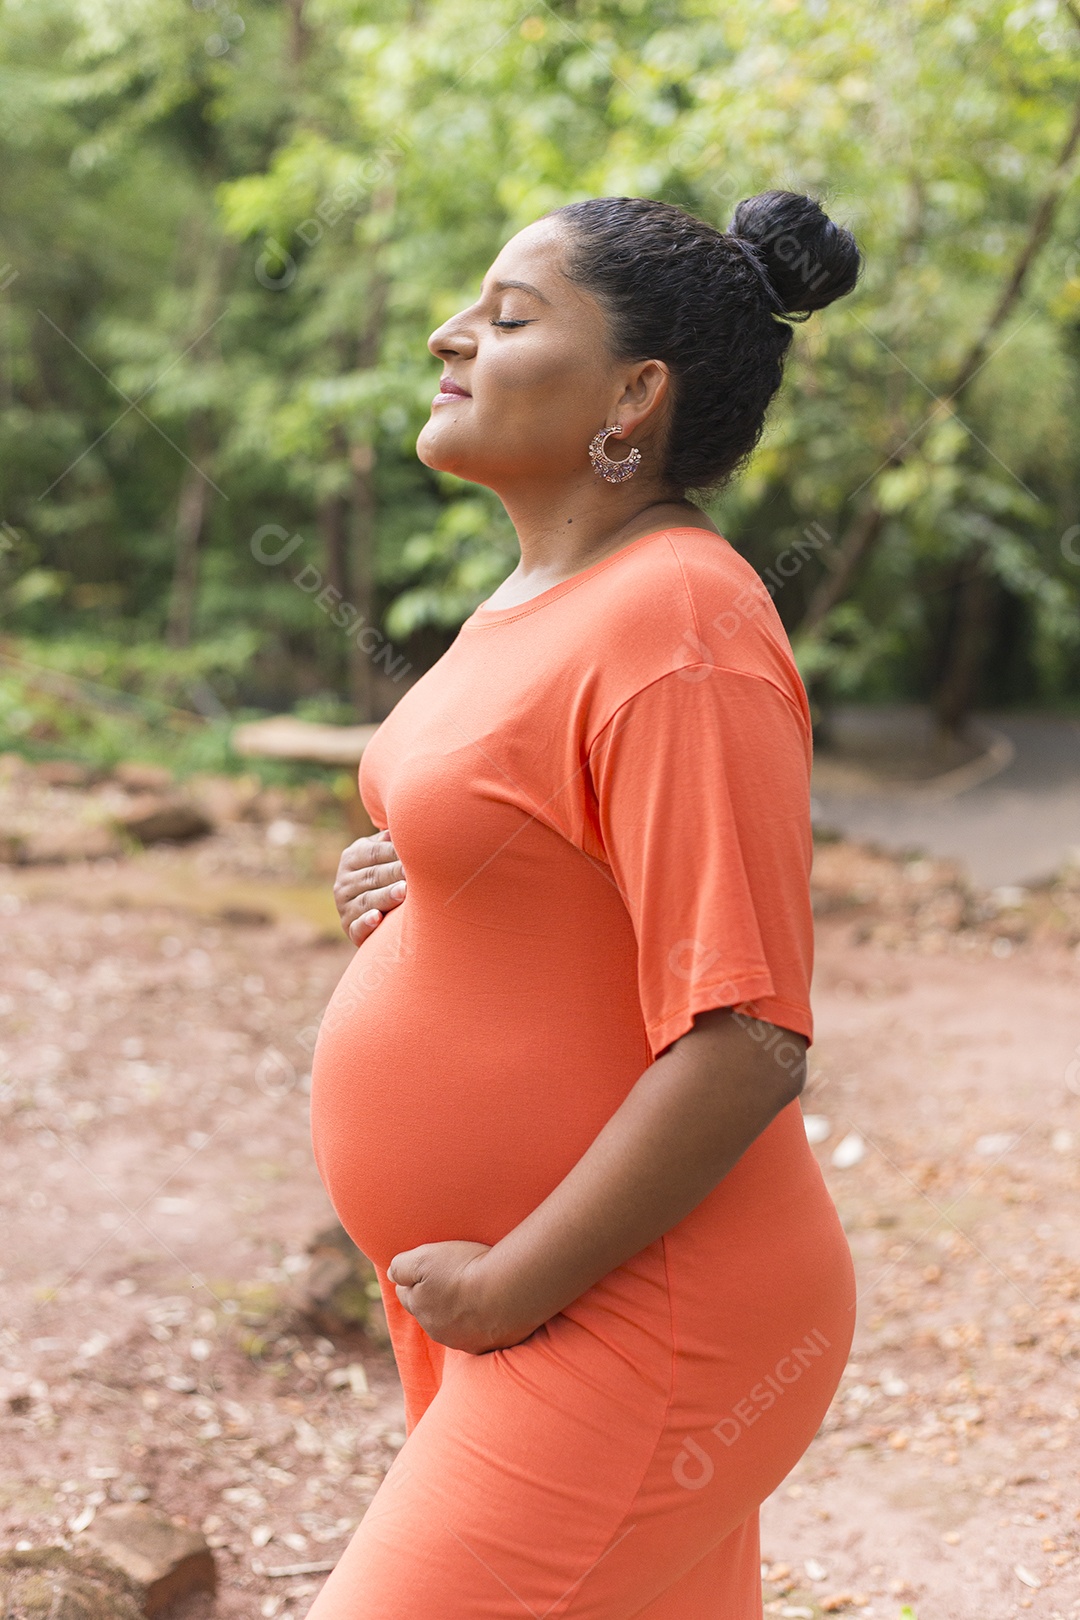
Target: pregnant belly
460,1072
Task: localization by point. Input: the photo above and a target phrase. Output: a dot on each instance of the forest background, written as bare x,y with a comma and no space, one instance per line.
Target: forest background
227,228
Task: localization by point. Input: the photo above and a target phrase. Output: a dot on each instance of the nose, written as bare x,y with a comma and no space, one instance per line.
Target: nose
453,340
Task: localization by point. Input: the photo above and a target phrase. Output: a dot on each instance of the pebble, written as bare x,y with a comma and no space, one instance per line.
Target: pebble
992,1146
848,1152
818,1128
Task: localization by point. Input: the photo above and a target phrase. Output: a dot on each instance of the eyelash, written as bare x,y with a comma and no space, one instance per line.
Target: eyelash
510,323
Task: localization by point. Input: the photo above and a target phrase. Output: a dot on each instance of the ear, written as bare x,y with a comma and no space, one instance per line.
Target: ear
646,389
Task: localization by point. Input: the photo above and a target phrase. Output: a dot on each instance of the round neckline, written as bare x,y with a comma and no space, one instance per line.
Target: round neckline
484,615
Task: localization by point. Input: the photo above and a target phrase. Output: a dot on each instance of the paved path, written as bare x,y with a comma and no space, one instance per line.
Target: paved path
1016,828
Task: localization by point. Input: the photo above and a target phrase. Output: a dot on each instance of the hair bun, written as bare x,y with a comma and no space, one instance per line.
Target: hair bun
808,260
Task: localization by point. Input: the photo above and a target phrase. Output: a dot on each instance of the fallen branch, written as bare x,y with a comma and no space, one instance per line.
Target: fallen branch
322,1566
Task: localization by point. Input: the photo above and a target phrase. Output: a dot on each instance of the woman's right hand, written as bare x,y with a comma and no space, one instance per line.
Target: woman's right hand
370,881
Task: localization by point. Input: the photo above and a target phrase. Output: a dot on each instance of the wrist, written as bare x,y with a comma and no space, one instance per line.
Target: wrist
510,1302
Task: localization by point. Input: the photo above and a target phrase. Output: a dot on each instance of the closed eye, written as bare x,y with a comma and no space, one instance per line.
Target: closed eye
511,323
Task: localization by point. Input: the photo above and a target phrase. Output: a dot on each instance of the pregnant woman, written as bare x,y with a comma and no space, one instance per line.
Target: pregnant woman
555,1095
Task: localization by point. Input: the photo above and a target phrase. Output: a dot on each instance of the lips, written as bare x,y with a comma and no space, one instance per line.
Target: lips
448,386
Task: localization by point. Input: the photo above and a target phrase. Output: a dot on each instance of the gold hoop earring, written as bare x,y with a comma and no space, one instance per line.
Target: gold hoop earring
616,472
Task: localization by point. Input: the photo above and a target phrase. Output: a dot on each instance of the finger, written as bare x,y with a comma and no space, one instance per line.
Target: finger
384,899
406,1267
367,852
365,879
376,901
360,927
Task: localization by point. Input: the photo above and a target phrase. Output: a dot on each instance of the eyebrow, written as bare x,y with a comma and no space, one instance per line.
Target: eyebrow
525,286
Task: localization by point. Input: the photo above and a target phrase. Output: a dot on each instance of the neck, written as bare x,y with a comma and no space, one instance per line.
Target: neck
562,531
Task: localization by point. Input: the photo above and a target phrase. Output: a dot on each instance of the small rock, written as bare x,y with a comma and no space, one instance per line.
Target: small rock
224,798
817,1127
838,1601
1063,1141
848,1152
11,846
358,1381
137,777
1008,896
992,1147
339,1290
163,1557
815,1571
51,1583
56,842
245,916
63,773
153,819
1027,1577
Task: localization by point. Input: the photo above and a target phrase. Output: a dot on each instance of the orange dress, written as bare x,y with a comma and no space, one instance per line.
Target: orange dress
601,800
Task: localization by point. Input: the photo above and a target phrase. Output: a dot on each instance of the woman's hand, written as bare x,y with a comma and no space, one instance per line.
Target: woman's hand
451,1292
370,880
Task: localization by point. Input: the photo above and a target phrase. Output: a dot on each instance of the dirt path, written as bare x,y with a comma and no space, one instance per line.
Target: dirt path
158,1191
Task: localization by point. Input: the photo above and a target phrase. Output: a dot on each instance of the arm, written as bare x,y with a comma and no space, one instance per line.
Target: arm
686,1122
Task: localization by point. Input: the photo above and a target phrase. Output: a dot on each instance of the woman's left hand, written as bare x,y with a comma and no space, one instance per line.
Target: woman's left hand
447,1287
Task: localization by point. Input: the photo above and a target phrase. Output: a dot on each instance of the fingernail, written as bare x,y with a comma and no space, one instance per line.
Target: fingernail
397,890
371,918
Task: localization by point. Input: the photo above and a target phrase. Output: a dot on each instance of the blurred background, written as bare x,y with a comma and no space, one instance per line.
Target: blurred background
227,228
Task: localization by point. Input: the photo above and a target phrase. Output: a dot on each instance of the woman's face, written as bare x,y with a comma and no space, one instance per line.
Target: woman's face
538,379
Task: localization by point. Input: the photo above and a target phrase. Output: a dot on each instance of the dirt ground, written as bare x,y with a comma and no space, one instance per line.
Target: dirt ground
156,1019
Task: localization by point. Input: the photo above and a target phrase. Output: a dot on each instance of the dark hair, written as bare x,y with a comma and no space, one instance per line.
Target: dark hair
716,307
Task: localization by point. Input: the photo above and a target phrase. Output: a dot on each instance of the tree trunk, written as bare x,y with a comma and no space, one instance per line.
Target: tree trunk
362,570
861,534
298,33
191,509
969,637
334,527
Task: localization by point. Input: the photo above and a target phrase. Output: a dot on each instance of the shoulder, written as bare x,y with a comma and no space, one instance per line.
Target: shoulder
686,598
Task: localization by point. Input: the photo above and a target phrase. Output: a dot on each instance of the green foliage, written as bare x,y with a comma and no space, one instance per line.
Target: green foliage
101,702
227,234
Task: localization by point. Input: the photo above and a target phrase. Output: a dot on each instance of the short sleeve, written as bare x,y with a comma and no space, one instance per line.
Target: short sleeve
702,798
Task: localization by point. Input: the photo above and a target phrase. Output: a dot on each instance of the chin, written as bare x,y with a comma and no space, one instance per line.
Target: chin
437,451
429,449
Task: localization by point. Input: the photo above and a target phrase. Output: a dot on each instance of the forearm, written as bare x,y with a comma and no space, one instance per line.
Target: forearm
687,1121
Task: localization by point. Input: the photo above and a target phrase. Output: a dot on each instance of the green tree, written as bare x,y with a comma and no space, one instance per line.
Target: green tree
247,220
